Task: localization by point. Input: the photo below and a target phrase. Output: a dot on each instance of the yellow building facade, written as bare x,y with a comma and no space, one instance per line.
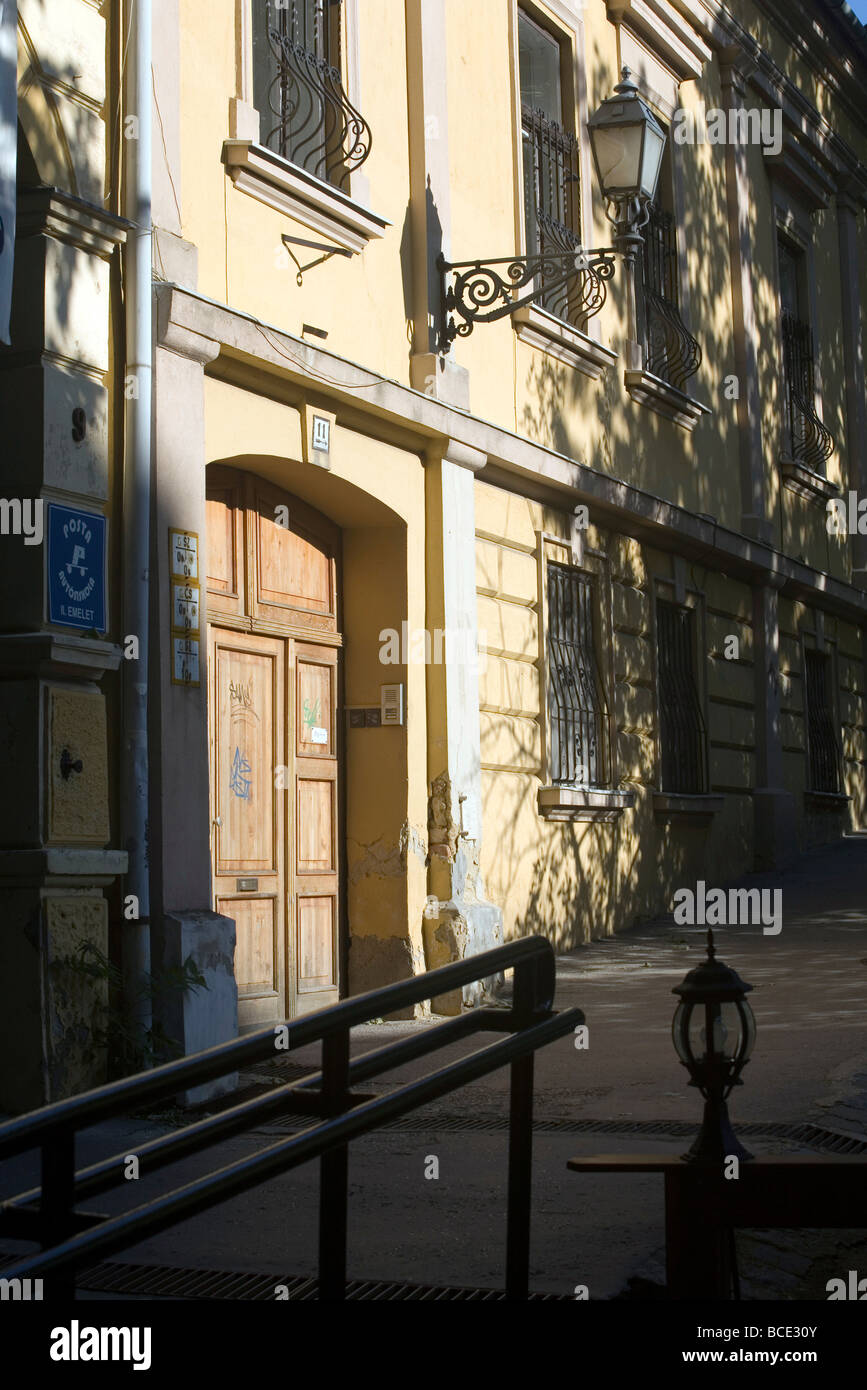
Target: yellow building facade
450,636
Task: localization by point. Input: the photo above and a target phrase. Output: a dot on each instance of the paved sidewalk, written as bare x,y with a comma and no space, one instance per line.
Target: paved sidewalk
809,1064
809,999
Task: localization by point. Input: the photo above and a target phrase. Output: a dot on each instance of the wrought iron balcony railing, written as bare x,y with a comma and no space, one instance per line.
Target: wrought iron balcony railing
317,127
671,351
808,439
552,202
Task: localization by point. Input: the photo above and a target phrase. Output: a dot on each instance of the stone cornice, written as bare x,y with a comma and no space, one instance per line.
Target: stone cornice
832,56
666,33
47,211
736,48
252,351
54,654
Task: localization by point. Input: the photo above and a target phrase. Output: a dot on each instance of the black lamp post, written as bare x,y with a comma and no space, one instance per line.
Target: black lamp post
713,1031
628,144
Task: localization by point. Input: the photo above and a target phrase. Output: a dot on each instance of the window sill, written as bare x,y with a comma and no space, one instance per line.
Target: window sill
583,803
666,400
806,482
540,329
276,182
686,807
826,801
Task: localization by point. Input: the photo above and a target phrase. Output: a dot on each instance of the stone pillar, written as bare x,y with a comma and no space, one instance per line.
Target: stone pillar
55,826
184,924
464,923
853,358
430,208
754,509
773,807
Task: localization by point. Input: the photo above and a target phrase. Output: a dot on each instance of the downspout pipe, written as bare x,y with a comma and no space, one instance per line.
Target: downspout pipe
136,543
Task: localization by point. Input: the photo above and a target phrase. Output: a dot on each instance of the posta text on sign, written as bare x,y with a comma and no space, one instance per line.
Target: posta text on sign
76,568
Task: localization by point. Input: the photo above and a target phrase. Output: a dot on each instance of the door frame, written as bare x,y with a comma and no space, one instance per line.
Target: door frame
237,607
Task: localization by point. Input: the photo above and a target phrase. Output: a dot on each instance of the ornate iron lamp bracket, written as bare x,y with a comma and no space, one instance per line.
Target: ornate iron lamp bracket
482,291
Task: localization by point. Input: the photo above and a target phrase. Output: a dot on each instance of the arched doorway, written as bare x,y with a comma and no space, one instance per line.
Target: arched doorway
274,646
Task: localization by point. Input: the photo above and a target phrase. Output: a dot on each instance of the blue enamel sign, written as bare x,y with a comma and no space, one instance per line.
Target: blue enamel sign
76,568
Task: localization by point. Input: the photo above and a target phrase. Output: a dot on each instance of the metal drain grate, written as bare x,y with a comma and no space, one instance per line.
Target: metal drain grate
805,1133
163,1281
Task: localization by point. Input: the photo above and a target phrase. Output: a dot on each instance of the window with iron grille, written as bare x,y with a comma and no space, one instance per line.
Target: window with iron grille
305,115
805,437
683,742
577,714
550,159
670,350
821,724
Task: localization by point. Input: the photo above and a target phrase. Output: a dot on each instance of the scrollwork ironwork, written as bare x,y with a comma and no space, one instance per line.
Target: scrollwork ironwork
672,353
810,440
483,291
317,126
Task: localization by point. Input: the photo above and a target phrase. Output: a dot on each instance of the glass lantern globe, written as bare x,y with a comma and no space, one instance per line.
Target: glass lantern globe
730,1026
713,1031
628,143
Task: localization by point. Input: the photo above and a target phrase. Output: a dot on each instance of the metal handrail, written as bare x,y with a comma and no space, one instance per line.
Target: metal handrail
71,1238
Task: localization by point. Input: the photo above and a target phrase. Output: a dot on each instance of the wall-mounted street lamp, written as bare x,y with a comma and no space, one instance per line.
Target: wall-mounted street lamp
713,1031
628,144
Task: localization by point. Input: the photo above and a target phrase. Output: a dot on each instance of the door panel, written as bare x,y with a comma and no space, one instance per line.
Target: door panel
226,570
247,747
315,726
315,820
316,945
315,842
245,697
295,552
257,953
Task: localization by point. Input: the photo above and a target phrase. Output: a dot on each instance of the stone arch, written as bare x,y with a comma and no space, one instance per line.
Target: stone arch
40,122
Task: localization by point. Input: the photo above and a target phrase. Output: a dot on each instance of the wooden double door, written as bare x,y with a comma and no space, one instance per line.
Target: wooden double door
274,682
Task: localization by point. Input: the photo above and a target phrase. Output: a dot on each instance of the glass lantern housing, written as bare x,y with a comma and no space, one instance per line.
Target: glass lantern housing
628,143
731,1027
713,1031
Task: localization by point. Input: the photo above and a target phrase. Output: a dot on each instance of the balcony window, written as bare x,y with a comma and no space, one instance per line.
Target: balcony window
550,162
306,116
670,350
806,439
683,740
577,715
822,747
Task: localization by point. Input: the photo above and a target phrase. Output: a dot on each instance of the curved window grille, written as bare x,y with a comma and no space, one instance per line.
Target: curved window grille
305,114
682,730
670,350
552,204
551,201
808,439
822,747
577,716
